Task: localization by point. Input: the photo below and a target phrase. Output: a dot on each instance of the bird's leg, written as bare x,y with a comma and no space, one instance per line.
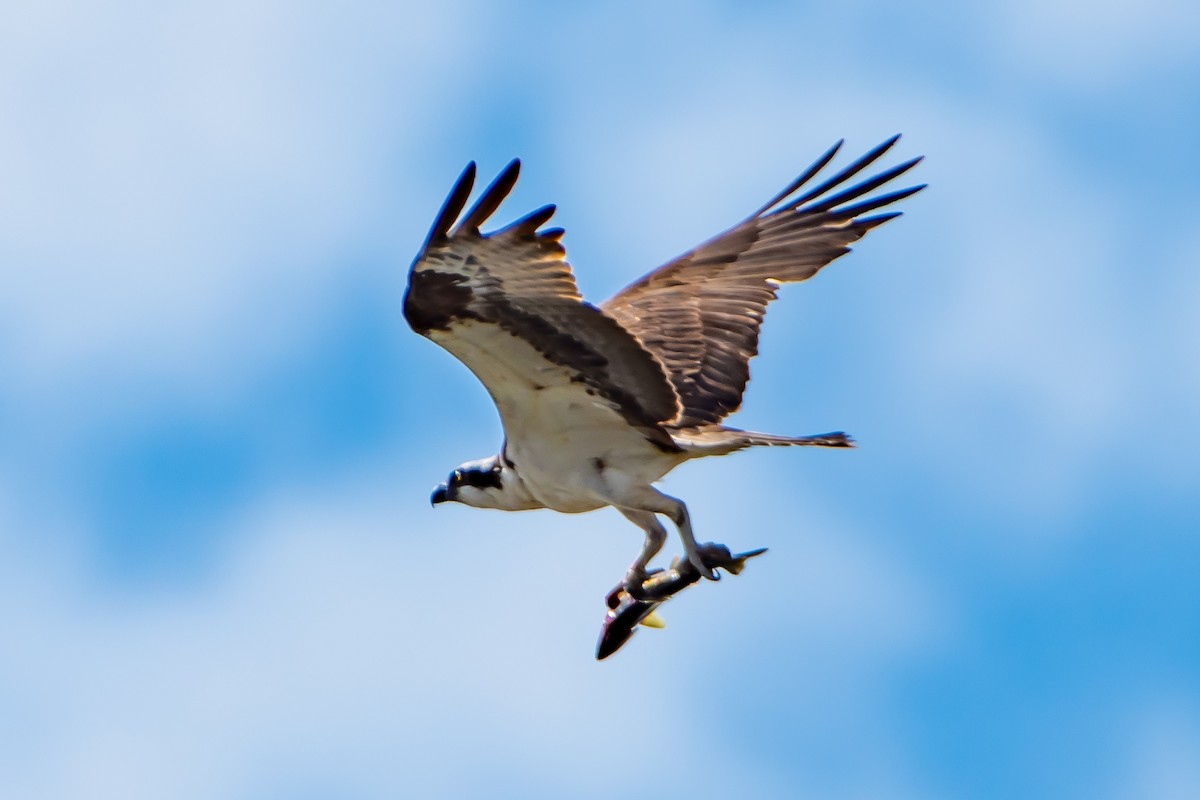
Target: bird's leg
653,500
616,489
677,511
656,536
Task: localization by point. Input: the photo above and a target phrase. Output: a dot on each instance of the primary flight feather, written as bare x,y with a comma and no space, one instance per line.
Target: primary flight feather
599,403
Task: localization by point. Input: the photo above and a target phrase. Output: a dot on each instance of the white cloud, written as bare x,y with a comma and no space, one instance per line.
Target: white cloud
185,184
1167,384
1093,47
185,188
1161,755
380,646
1029,332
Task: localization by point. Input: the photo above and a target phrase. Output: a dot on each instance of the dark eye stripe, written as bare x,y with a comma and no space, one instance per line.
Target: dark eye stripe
479,478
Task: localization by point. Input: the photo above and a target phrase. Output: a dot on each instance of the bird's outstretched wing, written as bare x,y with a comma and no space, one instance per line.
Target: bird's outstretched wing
506,304
701,313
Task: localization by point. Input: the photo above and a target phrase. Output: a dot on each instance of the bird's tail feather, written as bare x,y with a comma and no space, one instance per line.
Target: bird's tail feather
835,439
713,440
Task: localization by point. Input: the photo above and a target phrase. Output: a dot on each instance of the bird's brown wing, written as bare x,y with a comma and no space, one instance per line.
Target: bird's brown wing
701,313
506,304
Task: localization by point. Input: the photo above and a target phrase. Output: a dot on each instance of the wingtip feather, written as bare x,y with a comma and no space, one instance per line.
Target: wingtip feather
801,179
453,206
492,197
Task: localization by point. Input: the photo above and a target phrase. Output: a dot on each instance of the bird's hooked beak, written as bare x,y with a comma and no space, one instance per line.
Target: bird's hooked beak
440,495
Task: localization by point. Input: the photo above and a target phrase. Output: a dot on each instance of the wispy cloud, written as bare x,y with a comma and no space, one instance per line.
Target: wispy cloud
208,211
352,643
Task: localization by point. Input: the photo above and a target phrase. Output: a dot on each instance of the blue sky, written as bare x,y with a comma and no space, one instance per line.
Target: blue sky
219,574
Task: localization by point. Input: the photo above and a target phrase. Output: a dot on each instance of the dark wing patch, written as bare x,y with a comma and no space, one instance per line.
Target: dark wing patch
518,279
701,313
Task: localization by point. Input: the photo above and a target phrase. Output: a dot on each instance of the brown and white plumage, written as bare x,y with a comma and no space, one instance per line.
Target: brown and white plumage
701,313
599,403
518,281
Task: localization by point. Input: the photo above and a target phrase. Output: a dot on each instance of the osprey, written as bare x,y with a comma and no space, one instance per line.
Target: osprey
599,403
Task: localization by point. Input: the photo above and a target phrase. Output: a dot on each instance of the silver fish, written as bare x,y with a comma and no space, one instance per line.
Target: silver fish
627,612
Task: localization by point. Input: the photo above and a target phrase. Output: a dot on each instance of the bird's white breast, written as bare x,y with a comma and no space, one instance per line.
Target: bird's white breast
561,435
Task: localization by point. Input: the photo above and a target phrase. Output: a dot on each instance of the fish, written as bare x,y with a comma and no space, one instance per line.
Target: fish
627,611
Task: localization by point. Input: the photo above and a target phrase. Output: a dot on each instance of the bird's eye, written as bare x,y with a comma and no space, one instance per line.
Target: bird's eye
456,477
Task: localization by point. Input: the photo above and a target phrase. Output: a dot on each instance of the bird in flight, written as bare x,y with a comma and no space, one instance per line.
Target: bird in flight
600,402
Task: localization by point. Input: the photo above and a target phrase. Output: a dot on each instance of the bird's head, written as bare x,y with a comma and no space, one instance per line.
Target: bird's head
484,483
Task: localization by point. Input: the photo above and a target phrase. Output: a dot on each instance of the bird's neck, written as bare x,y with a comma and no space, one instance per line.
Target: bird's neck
516,495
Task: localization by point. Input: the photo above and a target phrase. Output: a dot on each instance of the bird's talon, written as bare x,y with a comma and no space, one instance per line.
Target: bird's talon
699,563
633,584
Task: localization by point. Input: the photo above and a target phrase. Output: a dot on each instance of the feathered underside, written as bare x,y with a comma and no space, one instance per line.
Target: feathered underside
506,304
701,313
